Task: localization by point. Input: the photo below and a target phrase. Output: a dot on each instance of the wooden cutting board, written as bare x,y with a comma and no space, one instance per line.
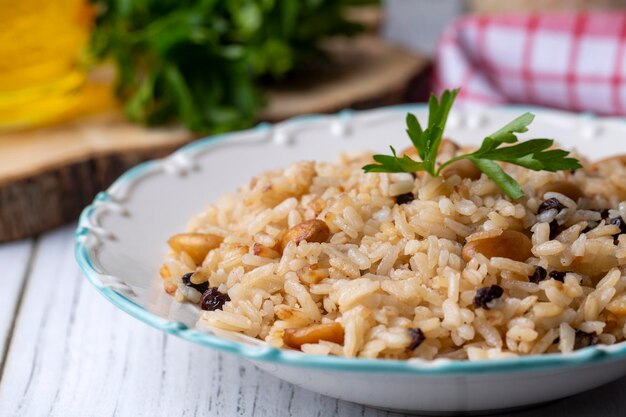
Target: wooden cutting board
48,175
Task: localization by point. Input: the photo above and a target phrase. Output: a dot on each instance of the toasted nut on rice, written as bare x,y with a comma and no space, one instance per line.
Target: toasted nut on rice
509,244
295,338
311,230
196,245
566,188
463,168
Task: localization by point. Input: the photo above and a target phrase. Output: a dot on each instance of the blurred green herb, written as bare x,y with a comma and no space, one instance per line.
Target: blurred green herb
533,154
201,62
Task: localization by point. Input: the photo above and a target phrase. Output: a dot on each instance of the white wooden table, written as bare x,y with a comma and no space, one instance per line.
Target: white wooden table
65,351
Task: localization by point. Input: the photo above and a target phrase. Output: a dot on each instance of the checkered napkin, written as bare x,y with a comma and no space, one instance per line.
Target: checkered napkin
570,61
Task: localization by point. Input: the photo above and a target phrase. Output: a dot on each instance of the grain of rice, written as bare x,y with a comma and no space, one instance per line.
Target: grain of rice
315,349
466,207
545,342
522,334
505,264
601,231
454,279
543,309
566,338
488,332
253,260
388,261
459,228
551,247
557,296
350,294
578,246
298,291
401,187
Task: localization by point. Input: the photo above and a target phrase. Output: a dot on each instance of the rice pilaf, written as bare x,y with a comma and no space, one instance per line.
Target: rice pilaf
325,258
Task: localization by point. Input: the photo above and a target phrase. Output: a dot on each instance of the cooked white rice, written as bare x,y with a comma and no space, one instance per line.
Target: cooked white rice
391,280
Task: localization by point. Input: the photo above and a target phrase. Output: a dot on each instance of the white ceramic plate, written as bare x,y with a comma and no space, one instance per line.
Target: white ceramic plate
121,245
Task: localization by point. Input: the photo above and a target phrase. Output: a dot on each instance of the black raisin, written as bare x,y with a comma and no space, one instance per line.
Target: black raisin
417,337
555,229
484,296
539,275
198,287
558,275
405,198
584,339
549,204
212,299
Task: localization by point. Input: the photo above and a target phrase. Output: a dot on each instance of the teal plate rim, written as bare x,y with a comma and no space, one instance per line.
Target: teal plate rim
266,353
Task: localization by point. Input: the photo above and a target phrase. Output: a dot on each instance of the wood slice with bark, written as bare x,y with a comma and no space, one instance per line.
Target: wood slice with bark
48,175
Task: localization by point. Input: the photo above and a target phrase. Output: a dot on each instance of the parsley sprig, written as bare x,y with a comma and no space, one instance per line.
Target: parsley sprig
534,154
207,64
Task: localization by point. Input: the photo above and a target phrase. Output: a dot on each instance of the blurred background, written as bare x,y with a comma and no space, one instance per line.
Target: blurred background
89,89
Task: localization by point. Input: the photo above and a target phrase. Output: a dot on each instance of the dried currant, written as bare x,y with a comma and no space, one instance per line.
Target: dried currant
584,339
484,296
405,198
417,338
558,275
539,275
212,299
549,204
555,229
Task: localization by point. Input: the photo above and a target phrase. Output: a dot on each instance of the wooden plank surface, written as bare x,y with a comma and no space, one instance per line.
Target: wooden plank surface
72,353
14,260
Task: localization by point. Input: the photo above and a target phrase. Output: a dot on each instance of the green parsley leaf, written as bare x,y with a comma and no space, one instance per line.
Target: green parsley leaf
415,132
501,178
437,118
391,163
426,141
207,64
534,154
506,134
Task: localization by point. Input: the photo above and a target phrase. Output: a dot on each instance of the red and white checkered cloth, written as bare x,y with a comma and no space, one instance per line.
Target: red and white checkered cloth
569,61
